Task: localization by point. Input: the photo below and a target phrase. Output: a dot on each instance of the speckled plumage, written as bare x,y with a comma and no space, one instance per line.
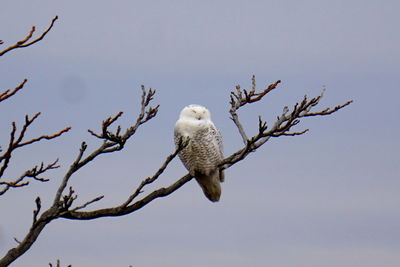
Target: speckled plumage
204,151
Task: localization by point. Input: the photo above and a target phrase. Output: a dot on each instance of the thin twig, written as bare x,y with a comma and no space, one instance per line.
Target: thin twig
73,168
47,137
62,207
112,141
241,97
32,173
15,142
181,145
88,203
38,207
8,93
26,41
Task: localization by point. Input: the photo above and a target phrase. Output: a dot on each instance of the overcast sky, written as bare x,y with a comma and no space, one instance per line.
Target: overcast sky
328,198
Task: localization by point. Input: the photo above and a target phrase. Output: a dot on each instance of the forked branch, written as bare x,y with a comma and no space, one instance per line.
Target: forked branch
282,127
241,97
114,141
17,141
63,207
181,145
58,264
63,203
32,173
27,41
8,93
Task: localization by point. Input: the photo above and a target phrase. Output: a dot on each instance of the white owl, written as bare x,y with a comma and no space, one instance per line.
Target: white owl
204,151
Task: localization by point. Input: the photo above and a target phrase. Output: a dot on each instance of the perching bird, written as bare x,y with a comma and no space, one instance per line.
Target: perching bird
204,151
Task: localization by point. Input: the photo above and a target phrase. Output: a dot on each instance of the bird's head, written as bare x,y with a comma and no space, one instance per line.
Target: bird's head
195,112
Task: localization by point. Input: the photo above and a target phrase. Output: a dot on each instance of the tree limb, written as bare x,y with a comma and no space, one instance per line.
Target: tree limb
239,98
27,40
181,145
32,173
281,127
15,142
62,203
114,141
58,264
8,93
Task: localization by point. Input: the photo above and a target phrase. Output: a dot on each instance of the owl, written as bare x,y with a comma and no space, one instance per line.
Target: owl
203,153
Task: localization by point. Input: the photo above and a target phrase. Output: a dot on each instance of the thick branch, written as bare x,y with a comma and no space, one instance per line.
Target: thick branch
62,204
123,210
281,127
30,238
61,207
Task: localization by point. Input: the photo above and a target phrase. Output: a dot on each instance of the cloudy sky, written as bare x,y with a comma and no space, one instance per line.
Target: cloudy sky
328,198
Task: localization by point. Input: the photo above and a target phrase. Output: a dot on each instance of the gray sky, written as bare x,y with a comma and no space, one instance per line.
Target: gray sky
327,198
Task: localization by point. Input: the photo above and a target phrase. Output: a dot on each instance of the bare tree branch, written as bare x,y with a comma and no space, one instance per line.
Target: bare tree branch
281,127
47,137
88,203
106,134
27,40
58,264
116,141
32,173
16,141
62,206
241,97
181,145
112,141
8,93
37,210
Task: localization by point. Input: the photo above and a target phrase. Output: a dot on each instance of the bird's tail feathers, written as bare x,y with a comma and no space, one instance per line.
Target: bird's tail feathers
221,176
210,184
